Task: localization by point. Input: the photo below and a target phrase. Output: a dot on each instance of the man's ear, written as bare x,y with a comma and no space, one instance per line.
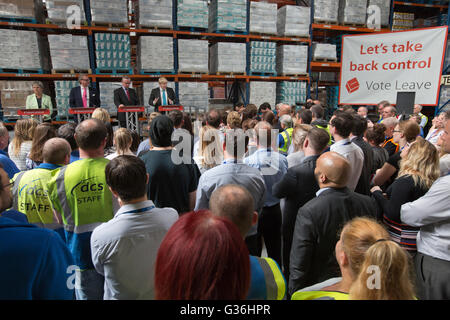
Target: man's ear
115,194
148,178
254,218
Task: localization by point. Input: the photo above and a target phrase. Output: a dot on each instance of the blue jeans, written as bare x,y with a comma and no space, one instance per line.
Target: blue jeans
90,285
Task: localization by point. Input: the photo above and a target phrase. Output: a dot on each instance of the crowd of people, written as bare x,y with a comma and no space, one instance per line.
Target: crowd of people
250,203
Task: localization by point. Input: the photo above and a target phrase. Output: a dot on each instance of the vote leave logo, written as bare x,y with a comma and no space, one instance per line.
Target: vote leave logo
352,85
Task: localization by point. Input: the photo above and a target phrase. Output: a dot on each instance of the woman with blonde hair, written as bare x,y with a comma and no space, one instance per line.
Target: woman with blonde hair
210,149
21,144
419,168
298,137
385,274
123,141
233,120
357,236
43,132
101,114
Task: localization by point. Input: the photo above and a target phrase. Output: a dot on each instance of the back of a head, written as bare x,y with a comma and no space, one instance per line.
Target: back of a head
392,279
236,142
55,151
42,133
210,254
23,131
161,130
101,114
299,134
127,176
410,130
376,134
122,140
269,117
263,131
187,123
249,124
3,130
357,236
234,120
318,138
286,121
210,147
317,111
343,123
335,167
177,117
305,115
213,118
235,203
67,132
359,125
264,106
90,134
390,122
136,141
285,109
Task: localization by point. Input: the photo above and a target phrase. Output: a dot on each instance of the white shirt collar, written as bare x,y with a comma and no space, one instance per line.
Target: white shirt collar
134,206
341,142
321,190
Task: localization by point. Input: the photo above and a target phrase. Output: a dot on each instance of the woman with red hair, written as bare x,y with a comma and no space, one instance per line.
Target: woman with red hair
202,257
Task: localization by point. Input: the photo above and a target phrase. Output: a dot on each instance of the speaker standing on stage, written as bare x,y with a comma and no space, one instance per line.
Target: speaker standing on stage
123,97
162,96
84,96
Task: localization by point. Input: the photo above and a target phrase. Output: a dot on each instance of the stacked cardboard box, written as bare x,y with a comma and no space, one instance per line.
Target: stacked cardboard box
263,17
290,92
326,10
192,55
62,90
194,94
192,13
228,15
293,21
263,57
155,13
385,10
263,91
324,51
14,95
402,21
20,49
112,51
18,8
107,96
69,52
353,12
228,57
57,10
109,11
292,59
155,54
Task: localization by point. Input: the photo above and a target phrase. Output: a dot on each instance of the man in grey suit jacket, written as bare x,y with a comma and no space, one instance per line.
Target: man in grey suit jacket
318,222
162,95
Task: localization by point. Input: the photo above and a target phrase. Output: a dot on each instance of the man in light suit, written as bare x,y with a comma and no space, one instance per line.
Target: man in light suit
123,97
162,95
39,100
84,96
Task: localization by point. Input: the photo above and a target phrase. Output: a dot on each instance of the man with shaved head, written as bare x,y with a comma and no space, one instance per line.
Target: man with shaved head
235,203
30,194
318,222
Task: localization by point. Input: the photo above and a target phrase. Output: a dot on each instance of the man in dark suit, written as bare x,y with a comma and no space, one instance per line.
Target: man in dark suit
358,130
318,222
84,96
298,186
124,97
162,95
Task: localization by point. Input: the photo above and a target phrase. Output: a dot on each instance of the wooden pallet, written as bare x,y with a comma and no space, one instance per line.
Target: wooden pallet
152,28
18,19
155,72
21,71
114,71
319,21
262,74
63,23
72,71
109,24
356,25
324,60
231,73
294,75
192,72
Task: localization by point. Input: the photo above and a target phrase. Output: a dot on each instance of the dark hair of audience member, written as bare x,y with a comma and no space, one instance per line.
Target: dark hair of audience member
42,133
376,134
67,132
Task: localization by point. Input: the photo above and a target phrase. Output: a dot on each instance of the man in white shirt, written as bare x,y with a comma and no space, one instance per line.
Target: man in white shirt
340,128
162,95
432,214
124,249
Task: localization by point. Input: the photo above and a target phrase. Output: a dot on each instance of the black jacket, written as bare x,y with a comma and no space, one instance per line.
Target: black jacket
120,97
156,94
364,180
316,233
297,186
76,100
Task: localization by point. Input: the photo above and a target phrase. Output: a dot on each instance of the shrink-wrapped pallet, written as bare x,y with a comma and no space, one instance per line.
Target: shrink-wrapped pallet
324,51
62,92
155,13
60,10
292,59
228,15
107,96
20,49
14,95
293,21
112,51
228,57
291,92
263,91
192,13
353,12
109,11
194,94
263,17
69,52
192,55
385,10
263,57
155,54
326,10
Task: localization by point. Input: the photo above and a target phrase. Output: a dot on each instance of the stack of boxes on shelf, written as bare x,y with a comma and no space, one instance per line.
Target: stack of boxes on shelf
263,17
324,51
57,10
154,13
107,96
13,96
402,21
263,57
292,59
353,12
113,52
27,9
293,21
69,52
109,11
193,55
226,57
62,90
440,20
326,11
194,94
263,91
290,92
385,10
149,86
192,14
155,54
228,15
20,50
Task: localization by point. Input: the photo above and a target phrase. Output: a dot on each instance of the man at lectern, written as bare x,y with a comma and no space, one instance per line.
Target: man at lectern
162,96
124,97
39,100
84,96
